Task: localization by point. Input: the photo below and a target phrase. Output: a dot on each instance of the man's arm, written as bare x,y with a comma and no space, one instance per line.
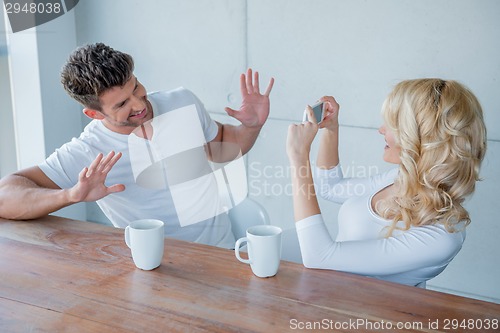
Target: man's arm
252,114
30,194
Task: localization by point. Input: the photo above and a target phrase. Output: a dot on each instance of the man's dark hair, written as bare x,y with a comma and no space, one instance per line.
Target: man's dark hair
93,69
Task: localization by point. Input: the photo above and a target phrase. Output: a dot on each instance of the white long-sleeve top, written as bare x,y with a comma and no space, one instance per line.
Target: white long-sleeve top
408,257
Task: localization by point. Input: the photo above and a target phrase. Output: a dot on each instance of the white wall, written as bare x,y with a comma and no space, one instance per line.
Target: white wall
7,148
62,115
355,50
41,115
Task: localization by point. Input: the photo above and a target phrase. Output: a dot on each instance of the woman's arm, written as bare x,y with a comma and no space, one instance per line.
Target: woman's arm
328,156
299,142
328,177
429,247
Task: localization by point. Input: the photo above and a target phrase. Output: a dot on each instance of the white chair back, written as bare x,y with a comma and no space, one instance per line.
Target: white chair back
246,214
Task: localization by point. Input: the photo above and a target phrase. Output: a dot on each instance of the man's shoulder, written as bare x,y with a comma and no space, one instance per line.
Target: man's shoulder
96,135
165,101
179,93
92,130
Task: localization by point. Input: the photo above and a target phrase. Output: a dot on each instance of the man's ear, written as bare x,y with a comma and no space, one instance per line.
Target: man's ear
93,114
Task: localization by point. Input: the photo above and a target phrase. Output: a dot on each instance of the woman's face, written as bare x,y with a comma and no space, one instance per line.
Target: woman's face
392,151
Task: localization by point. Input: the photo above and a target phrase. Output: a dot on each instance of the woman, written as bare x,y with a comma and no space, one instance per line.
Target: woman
407,224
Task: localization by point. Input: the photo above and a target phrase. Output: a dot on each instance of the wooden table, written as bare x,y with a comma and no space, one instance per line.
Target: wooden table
60,275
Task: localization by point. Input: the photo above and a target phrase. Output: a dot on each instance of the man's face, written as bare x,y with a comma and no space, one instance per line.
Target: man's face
125,108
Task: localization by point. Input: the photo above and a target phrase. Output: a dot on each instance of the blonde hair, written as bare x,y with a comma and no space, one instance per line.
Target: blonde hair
440,128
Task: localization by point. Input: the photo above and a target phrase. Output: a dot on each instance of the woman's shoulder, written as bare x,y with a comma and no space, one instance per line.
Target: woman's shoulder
438,239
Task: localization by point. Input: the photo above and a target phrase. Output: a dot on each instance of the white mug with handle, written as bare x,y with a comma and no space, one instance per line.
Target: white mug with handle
264,249
146,240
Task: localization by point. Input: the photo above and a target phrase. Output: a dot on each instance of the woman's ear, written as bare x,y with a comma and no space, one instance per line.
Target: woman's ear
93,114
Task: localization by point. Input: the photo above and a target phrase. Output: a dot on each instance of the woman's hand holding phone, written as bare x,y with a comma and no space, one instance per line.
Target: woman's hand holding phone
325,112
317,112
331,109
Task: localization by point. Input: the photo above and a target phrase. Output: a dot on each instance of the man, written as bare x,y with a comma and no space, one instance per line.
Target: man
91,168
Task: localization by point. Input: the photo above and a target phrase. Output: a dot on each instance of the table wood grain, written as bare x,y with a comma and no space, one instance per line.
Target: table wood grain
61,275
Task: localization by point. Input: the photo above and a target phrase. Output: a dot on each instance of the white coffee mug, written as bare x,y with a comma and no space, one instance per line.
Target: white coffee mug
146,238
264,249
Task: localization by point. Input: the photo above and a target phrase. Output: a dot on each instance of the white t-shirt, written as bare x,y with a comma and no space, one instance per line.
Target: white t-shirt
136,202
408,257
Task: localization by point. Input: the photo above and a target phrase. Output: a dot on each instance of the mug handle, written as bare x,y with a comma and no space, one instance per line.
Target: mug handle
237,250
127,236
